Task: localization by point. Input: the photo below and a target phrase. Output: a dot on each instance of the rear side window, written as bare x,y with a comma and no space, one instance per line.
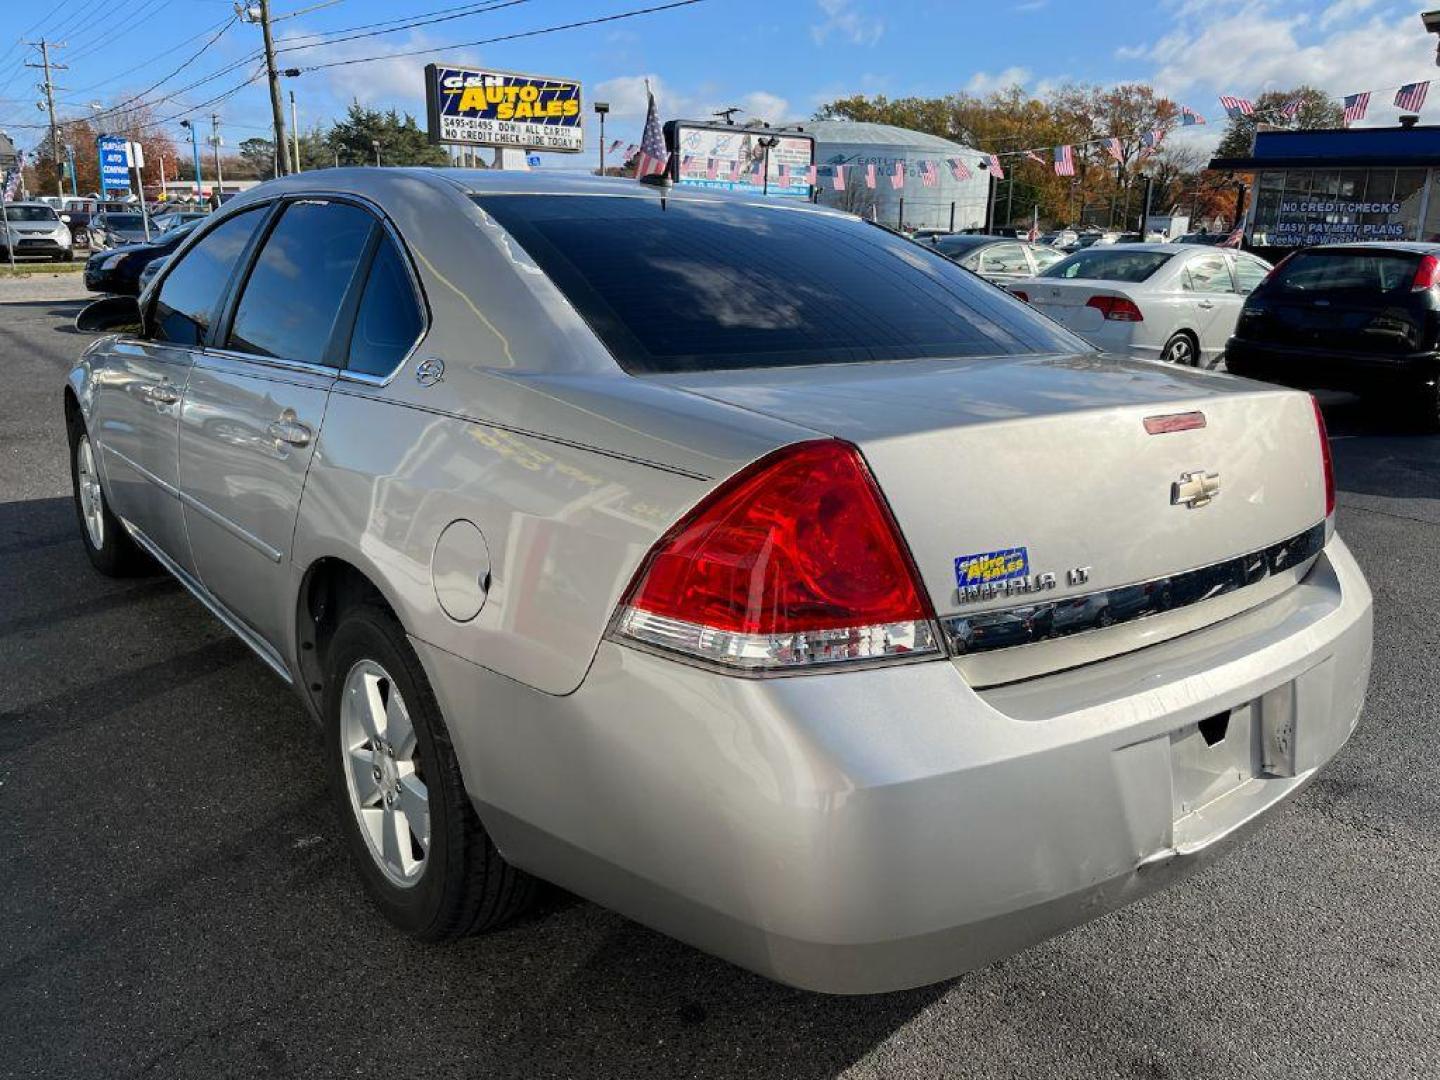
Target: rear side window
1108,264
192,288
1004,259
1045,257
294,293
1248,274
693,285
1347,271
388,320
1209,274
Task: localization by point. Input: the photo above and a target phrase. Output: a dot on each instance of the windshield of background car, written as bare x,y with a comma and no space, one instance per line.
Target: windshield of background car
1109,264
691,285
1316,272
123,221
30,213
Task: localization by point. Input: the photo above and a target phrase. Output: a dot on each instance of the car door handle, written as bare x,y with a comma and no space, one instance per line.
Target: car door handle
1206,304
290,431
161,395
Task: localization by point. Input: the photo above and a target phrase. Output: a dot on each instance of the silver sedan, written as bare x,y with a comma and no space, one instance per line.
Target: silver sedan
745,568
1169,302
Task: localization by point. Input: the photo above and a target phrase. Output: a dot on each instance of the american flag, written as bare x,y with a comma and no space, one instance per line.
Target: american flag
1236,107
869,176
615,146
712,168
897,177
837,178
1235,239
1411,96
959,171
1115,150
929,175
653,157
996,169
1355,106
12,180
1065,160
1189,117
1033,156
811,175
734,172
1291,108
686,163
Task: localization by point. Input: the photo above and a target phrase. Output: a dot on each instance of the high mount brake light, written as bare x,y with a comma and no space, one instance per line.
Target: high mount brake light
1116,308
794,562
1326,464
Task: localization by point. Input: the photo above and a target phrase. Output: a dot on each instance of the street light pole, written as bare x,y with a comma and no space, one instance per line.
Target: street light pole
194,154
766,142
601,108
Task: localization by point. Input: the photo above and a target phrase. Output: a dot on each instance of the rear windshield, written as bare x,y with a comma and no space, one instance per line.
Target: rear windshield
692,285
1346,271
1107,264
958,245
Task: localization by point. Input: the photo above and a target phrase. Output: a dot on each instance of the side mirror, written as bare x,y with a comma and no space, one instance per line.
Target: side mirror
110,314
65,218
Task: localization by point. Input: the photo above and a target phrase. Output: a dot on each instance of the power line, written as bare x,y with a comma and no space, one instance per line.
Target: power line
133,101
146,63
510,37
409,23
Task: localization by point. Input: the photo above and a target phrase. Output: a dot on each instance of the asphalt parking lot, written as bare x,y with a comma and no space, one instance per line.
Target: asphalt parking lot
175,901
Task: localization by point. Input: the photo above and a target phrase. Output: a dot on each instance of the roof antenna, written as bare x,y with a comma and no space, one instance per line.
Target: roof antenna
728,115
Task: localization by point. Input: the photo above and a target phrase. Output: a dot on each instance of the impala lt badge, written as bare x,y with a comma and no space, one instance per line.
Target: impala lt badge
1195,489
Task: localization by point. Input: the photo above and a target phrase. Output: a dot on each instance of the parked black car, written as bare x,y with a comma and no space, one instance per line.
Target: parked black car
1358,317
117,269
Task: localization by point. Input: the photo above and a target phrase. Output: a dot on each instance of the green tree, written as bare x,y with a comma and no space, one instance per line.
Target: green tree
401,141
1317,110
259,157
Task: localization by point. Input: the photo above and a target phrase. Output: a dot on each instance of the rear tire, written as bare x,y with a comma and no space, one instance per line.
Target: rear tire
1181,349
418,845
108,546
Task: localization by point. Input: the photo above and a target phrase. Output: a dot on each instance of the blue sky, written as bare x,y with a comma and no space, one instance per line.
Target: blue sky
777,59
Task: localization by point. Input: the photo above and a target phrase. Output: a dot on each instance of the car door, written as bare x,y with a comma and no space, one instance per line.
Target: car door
1214,302
254,406
137,407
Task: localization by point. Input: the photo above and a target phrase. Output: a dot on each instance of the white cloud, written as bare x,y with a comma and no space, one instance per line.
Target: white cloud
982,82
844,18
1031,5
626,96
397,81
1270,45
1341,10
763,105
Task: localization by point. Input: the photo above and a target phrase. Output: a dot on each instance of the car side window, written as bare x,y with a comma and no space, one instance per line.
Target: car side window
1248,274
1004,259
299,281
192,289
388,320
1044,256
1209,274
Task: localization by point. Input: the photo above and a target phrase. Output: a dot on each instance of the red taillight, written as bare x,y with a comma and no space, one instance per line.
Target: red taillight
1326,464
1426,274
1020,294
796,560
1118,308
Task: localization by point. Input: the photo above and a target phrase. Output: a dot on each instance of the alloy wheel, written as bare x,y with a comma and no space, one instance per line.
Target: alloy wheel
1181,352
92,499
384,774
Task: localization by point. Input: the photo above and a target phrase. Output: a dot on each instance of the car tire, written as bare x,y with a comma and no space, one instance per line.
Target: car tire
451,881
1181,349
108,546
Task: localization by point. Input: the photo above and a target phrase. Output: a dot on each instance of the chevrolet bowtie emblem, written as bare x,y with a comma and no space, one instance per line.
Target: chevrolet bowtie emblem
1195,489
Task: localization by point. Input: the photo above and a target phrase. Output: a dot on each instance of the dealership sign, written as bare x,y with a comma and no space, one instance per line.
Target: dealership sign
499,108
114,161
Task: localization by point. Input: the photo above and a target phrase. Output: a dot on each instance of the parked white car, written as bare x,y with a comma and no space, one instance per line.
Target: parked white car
1169,302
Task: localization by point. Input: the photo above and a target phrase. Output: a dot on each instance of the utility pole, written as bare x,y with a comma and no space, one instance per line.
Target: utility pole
261,14
215,141
295,130
49,87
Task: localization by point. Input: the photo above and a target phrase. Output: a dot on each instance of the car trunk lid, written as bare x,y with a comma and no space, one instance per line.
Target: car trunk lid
1068,301
1003,469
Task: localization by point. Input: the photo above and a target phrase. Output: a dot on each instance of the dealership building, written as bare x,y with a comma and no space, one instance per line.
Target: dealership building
1333,185
951,203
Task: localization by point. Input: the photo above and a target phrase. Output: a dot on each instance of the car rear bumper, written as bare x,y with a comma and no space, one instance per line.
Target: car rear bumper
1314,369
880,829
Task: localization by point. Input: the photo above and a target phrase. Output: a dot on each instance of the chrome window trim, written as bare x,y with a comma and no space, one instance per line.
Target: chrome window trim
1027,624
278,362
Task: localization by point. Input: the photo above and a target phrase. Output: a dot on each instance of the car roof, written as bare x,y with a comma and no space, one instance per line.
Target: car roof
1164,249
31,203
1417,247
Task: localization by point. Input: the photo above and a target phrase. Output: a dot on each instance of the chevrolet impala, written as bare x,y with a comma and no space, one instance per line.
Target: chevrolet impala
744,567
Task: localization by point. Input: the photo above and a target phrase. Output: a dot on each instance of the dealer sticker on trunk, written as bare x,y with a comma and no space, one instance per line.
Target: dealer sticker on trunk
992,566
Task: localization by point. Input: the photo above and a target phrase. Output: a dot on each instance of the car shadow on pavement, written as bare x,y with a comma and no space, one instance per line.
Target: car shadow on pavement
1379,450
165,828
